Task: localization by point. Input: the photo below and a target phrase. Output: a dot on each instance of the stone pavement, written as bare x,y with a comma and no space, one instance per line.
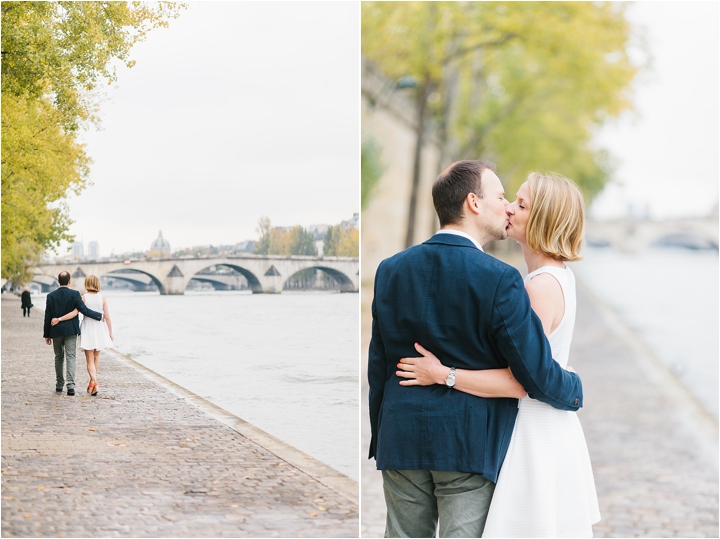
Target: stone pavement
146,458
654,449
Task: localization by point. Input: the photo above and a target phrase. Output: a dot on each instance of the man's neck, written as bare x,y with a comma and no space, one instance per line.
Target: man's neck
467,230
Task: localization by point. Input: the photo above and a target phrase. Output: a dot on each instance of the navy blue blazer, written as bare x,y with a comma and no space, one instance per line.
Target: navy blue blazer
60,302
472,311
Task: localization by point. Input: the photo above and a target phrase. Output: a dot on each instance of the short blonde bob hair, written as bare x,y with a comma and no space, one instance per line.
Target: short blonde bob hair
556,226
92,283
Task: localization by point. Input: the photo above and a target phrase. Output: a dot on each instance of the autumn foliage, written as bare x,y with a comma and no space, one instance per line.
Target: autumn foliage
55,55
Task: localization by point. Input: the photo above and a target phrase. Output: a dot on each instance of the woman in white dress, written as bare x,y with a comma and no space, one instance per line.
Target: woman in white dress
95,335
546,486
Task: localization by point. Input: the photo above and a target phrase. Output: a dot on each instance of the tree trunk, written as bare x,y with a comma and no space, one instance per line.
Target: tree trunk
420,128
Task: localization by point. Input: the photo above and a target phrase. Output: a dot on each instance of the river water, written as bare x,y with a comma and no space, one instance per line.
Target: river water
287,363
669,297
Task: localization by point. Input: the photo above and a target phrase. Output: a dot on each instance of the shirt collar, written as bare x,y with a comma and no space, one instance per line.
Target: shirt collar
460,233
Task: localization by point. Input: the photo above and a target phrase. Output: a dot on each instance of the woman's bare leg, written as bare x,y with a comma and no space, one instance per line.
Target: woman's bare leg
96,360
89,358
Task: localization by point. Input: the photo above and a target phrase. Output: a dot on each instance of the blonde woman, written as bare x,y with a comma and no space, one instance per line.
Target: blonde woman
94,335
546,486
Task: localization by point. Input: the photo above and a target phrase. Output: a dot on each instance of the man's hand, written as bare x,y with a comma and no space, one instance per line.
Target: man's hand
54,321
48,341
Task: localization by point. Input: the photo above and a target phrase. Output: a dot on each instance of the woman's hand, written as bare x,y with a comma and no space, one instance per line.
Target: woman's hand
422,371
54,321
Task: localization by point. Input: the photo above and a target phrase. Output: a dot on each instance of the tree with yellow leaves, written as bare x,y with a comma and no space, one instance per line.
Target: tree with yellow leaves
525,84
341,242
54,55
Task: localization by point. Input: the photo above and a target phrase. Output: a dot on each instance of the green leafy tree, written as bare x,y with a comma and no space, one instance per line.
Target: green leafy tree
66,49
330,241
278,241
262,247
40,165
54,57
301,242
523,83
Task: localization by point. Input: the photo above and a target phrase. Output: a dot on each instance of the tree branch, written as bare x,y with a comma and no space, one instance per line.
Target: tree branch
483,45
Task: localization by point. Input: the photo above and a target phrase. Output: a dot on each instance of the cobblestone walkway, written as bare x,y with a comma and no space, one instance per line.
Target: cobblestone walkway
654,450
138,460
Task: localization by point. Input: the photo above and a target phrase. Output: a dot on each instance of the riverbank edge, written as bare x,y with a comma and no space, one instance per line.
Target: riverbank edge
699,418
319,471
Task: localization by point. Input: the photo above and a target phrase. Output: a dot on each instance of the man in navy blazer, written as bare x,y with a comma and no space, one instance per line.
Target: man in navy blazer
63,336
440,450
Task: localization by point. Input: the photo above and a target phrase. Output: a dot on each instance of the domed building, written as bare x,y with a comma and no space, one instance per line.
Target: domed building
160,247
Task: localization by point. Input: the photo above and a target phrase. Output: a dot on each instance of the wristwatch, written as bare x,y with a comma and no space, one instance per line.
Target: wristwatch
450,380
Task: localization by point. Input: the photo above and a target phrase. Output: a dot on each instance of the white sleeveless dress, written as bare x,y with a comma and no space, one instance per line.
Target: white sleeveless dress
546,486
94,335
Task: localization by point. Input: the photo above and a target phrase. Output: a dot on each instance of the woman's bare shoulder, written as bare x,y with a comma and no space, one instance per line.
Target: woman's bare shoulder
544,289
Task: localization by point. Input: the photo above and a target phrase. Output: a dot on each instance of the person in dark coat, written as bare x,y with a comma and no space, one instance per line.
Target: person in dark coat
63,336
26,302
439,449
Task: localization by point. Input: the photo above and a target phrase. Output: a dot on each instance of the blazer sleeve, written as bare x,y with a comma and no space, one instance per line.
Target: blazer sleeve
521,340
79,304
377,368
48,309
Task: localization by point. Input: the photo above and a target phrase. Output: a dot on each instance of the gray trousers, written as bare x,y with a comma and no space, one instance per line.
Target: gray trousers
418,499
64,348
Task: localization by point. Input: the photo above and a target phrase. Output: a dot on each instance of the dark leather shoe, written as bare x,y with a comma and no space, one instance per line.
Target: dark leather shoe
71,392
58,390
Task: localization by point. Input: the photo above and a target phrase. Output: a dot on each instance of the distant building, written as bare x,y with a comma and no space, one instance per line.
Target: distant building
93,250
247,246
318,231
77,249
352,223
160,247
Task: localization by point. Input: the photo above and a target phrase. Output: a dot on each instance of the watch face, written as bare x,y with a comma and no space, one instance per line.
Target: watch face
450,382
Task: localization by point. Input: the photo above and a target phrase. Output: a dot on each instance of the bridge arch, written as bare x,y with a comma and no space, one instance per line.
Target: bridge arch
253,281
123,272
687,240
46,283
631,235
344,282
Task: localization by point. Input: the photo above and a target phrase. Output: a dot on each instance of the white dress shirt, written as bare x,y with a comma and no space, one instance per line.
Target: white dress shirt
460,233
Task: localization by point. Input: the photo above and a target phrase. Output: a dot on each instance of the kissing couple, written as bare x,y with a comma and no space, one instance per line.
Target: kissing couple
478,436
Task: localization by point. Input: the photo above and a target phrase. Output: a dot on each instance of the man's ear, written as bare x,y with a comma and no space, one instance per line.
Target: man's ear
472,203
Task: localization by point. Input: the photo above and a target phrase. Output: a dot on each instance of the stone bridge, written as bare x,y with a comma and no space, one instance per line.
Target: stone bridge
632,235
264,273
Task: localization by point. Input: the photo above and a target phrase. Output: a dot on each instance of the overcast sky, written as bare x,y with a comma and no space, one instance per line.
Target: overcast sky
237,110
669,149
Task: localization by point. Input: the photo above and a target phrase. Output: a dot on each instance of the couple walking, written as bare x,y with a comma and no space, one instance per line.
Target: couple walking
479,434
62,329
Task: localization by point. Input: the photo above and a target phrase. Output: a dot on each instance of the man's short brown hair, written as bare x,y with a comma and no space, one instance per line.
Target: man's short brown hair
453,185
